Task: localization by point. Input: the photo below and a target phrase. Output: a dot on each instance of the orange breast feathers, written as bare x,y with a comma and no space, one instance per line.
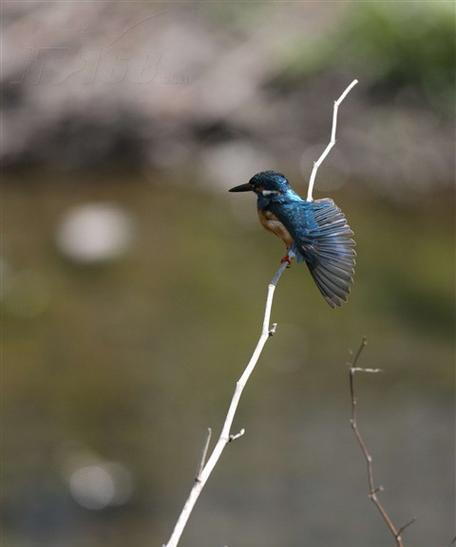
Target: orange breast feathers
273,224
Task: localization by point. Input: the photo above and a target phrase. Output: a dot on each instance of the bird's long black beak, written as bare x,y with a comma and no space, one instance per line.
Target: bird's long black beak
242,188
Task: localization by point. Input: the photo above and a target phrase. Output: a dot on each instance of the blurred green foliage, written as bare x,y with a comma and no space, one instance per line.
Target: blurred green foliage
396,46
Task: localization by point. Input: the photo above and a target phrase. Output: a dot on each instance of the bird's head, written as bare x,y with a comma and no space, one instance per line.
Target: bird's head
266,183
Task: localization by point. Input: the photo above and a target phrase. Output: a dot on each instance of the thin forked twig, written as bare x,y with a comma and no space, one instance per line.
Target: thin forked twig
331,143
206,467
373,490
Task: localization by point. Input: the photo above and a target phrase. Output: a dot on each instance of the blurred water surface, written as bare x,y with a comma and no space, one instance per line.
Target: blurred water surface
129,360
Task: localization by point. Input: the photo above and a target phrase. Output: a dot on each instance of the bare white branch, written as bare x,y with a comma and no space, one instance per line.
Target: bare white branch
331,143
225,435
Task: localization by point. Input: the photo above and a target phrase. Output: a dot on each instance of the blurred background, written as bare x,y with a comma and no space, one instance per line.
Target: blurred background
133,284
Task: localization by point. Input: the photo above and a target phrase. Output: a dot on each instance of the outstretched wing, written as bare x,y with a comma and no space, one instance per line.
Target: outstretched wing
323,238
328,249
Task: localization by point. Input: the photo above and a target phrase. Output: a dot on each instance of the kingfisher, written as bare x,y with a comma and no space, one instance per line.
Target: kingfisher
314,232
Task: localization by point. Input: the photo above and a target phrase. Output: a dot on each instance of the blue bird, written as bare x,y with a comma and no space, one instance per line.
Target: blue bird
315,232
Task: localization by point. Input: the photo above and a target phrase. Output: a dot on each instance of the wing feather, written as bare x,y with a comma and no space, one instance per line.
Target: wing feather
331,255
323,238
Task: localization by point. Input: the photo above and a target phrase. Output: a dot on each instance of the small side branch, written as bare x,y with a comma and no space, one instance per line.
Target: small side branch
237,435
331,143
373,489
204,453
206,467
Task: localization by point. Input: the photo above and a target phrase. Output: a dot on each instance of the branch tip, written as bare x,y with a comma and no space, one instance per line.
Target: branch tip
359,352
406,525
331,143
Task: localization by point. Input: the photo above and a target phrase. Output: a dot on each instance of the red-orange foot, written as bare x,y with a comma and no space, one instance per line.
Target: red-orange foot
286,258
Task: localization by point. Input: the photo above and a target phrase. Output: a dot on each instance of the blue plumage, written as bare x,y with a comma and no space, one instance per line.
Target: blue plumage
316,232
